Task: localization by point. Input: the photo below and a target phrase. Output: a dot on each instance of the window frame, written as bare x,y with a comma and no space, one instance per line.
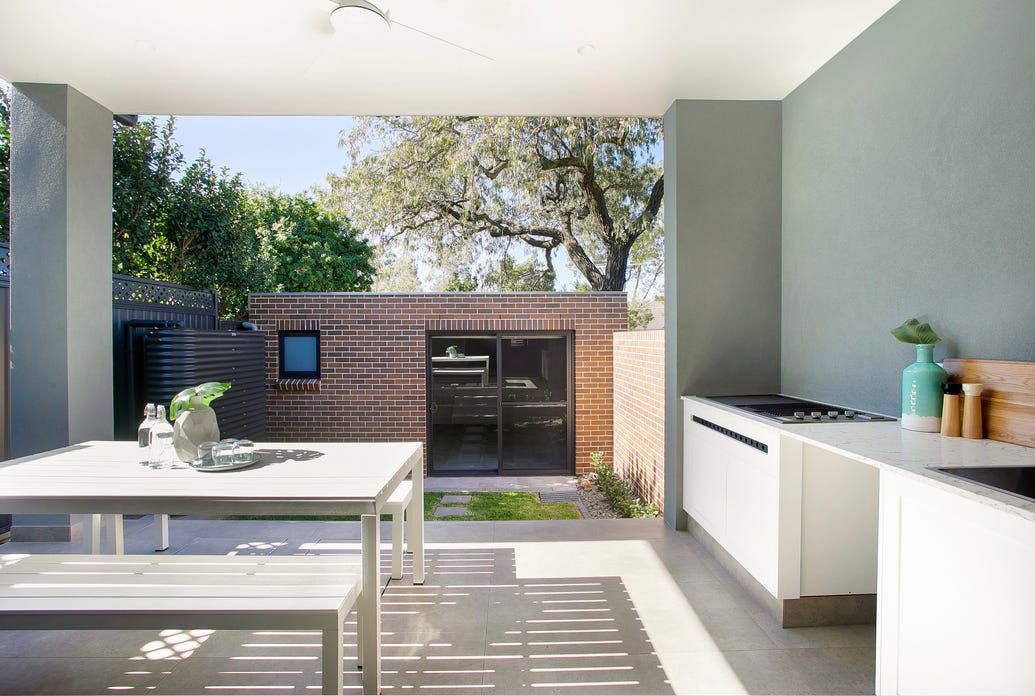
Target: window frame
285,374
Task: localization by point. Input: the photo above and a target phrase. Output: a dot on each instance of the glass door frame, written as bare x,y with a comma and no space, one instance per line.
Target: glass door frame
429,427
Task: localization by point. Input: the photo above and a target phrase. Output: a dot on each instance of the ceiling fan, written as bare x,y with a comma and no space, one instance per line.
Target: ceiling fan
346,15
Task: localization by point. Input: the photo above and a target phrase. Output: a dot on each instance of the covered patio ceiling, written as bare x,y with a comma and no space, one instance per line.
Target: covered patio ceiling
282,56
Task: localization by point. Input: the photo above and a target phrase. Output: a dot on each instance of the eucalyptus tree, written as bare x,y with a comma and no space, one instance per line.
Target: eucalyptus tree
589,185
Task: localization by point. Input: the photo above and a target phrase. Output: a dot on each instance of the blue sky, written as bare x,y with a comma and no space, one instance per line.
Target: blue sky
291,153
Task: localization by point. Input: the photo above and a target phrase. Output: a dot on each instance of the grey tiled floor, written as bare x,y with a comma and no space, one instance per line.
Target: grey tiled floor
574,607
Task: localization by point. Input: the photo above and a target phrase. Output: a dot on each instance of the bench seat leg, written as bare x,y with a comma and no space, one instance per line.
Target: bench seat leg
332,658
398,536
116,535
163,533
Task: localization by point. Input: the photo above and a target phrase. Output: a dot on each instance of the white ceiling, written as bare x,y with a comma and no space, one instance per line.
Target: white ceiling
281,57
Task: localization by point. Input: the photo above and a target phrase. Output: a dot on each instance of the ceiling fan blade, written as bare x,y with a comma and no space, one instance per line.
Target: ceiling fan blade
396,22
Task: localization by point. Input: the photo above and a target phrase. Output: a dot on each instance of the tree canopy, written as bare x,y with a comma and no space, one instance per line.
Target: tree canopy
313,249
199,225
590,186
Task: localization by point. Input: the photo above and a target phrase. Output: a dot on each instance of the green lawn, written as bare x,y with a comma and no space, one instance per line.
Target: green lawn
483,507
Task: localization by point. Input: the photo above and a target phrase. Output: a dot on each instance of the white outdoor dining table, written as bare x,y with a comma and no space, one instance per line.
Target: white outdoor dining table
298,478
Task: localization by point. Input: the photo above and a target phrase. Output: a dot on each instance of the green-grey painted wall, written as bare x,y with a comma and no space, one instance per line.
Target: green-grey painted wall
722,261
909,189
61,368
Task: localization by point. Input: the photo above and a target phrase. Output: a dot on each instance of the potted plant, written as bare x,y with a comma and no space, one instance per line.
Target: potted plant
193,417
922,381
452,351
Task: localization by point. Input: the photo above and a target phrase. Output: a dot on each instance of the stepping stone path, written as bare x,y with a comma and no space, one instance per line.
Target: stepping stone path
453,506
452,511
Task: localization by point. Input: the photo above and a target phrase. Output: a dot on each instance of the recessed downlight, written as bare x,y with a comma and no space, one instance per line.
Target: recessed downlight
585,49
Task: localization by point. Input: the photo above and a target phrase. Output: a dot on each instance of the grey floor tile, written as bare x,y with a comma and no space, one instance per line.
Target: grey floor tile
491,618
61,675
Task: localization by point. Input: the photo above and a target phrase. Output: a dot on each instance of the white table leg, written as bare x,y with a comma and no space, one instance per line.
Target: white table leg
163,532
415,521
116,537
93,523
331,660
370,603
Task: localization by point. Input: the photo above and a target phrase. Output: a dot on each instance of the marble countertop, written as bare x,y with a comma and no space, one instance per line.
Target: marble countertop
887,446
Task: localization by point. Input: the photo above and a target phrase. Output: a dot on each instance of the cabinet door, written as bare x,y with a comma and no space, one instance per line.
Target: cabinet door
753,512
704,477
955,595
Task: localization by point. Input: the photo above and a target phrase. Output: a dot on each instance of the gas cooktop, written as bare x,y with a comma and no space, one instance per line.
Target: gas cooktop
790,409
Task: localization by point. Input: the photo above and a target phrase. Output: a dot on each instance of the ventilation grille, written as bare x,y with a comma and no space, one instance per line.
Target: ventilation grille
733,434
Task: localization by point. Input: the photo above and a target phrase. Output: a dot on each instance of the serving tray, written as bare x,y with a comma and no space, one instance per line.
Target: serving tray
254,459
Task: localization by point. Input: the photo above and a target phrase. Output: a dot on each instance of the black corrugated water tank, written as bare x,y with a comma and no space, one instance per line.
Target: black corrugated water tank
175,359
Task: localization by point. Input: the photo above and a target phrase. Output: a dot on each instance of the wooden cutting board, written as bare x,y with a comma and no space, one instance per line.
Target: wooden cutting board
1008,401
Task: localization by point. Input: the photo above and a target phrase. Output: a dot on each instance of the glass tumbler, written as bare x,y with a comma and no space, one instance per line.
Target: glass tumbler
245,451
223,453
206,452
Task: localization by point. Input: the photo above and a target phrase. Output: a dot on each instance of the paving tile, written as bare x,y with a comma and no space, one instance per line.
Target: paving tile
491,618
452,511
61,675
450,499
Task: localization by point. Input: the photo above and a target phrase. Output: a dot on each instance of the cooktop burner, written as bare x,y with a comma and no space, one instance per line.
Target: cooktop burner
789,409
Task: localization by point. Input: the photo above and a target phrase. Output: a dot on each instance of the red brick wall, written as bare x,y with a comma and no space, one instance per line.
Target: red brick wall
372,385
639,411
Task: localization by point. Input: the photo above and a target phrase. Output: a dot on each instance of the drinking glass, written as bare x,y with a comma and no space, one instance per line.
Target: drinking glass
244,452
206,451
223,453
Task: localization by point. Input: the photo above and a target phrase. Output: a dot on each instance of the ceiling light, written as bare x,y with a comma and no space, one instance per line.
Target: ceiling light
350,15
585,49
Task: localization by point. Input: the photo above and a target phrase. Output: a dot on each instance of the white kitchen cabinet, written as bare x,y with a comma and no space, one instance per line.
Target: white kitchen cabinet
737,493
801,520
956,593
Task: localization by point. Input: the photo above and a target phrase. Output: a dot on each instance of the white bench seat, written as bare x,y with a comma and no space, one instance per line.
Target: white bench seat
90,592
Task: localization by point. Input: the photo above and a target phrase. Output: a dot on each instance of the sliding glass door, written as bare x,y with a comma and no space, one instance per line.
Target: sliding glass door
535,404
500,403
464,404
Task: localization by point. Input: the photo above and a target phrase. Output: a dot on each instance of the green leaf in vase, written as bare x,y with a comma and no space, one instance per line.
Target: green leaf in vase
915,333
206,393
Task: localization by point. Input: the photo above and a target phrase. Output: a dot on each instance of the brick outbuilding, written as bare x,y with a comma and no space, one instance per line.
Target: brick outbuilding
372,368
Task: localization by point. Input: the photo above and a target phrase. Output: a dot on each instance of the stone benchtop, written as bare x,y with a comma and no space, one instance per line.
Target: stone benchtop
887,446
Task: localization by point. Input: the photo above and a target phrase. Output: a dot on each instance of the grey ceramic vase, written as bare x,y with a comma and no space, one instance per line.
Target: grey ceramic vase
192,428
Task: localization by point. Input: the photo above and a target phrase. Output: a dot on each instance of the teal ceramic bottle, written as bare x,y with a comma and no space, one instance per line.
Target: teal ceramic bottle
922,392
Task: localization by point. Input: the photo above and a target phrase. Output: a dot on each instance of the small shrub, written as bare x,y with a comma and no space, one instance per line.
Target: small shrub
618,492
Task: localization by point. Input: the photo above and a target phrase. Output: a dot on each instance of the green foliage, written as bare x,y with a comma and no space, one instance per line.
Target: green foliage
440,183
312,249
916,333
526,276
618,492
639,314
461,281
193,397
5,165
194,224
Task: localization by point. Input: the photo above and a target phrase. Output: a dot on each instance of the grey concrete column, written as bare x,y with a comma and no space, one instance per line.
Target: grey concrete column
61,193
722,261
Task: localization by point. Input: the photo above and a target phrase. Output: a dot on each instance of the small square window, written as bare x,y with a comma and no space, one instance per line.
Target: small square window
300,355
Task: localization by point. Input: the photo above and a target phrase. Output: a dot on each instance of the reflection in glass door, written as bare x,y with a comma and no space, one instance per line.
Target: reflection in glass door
535,416
464,404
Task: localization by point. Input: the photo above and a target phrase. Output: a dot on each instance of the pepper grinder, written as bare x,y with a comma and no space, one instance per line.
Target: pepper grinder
951,425
972,426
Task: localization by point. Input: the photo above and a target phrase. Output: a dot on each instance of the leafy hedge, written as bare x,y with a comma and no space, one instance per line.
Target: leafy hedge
618,492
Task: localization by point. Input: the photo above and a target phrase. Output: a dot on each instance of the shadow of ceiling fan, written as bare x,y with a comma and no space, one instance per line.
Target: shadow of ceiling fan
364,17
